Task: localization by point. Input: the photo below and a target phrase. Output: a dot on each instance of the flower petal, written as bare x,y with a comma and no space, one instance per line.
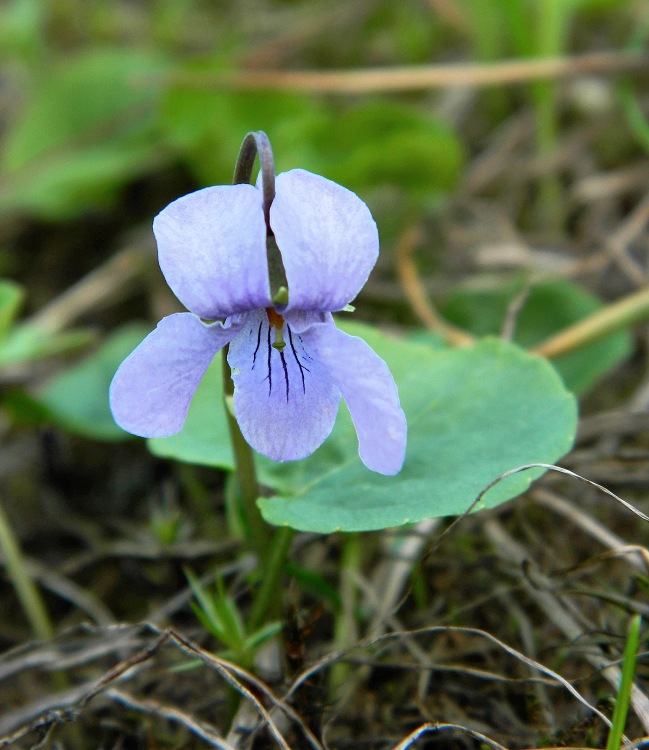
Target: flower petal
212,250
369,392
327,238
284,402
152,389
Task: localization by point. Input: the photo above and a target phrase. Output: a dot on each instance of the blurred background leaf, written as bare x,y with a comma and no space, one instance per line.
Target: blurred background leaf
77,398
547,308
88,126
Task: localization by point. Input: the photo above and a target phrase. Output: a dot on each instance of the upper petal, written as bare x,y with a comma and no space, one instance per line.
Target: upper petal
327,238
152,389
369,391
284,402
212,250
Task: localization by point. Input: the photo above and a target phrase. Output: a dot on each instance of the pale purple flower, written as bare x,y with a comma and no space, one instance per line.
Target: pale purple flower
212,252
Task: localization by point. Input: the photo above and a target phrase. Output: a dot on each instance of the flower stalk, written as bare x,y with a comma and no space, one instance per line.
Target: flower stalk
246,476
271,553
254,145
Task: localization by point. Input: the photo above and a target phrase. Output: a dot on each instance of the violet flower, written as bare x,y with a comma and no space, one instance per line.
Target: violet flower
290,364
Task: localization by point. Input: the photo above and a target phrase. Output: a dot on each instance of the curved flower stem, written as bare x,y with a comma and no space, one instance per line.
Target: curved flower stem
254,144
271,552
257,144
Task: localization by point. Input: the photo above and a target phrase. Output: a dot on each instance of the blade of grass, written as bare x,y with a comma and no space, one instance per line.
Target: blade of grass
26,590
626,685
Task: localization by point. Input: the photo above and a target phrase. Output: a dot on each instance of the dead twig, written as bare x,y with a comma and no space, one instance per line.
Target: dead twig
104,285
201,729
561,617
614,317
417,297
429,727
420,77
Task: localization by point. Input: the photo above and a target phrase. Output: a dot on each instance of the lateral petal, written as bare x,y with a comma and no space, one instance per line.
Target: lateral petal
284,402
327,238
212,250
369,391
152,389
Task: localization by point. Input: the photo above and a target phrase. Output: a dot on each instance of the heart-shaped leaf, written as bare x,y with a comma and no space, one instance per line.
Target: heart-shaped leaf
472,414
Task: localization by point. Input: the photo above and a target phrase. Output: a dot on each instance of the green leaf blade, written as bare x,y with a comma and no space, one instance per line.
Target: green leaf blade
77,399
473,414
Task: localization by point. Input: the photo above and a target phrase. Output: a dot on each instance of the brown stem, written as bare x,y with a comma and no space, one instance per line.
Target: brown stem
416,294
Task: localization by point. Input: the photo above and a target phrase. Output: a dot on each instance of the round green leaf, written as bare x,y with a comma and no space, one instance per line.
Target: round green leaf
473,414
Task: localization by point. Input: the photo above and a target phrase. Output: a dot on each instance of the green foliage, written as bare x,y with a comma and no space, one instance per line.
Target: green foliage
548,308
27,342
21,28
472,415
366,146
77,398
208,126
629,100
385,142
626,684
86,129
11,298
21,343
218,614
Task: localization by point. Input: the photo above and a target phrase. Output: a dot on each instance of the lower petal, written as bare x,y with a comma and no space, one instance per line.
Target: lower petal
369,391
153,387
284,401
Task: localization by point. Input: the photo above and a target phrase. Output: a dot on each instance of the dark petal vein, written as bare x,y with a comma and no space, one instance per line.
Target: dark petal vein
281,354
299,364
254,356
270,376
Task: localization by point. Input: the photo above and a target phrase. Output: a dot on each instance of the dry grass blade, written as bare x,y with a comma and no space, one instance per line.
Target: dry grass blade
66,707
202,730
642,742
393,575
637,556
228,670
105,285
559,615
429,727
560,470
416,295
537,666
421,77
